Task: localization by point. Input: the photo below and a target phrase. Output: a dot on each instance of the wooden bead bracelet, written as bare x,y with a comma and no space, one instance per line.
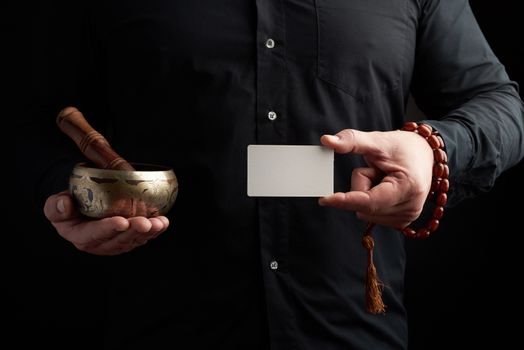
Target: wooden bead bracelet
439,183
439,189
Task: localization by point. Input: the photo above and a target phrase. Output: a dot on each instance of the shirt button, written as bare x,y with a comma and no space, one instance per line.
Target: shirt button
272,115
273,265
270,43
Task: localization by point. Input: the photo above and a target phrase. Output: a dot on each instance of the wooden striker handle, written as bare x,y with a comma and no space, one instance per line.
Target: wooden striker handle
92,144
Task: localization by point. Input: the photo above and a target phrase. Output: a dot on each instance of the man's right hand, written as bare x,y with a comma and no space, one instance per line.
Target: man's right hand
109,236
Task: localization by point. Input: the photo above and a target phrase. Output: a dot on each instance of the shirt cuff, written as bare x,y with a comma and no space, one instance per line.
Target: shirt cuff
459,146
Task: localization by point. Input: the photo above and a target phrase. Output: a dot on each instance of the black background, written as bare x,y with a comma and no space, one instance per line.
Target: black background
461,282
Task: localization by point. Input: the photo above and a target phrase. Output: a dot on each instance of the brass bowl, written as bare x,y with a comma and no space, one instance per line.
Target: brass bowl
149,191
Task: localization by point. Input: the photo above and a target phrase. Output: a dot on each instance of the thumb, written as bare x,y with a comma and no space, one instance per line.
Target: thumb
60,207
350,140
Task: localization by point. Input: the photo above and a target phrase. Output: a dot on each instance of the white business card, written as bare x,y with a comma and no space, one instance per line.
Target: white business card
289,171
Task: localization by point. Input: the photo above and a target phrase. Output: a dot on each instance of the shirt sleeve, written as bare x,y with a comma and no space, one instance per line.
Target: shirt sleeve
464,90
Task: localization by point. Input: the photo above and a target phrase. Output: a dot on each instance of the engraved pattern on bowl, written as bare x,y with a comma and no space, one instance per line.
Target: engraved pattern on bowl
149,191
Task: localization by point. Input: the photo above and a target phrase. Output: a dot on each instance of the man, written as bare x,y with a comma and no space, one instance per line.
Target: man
191,85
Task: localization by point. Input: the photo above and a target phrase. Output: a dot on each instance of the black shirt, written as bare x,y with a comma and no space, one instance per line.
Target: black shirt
190,84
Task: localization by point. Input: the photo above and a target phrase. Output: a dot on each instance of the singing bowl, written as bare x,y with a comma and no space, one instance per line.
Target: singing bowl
149,191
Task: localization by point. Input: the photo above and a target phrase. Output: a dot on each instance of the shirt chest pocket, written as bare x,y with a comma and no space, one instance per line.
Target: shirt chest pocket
361,45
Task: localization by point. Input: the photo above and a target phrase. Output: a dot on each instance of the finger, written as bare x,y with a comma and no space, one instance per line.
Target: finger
137,226
140,224
60,207
350,140
157,226
165,225
353,201
396,220
114,226
140,231
336,200
378,200
136,235
398,216
363,179
83,232
164,220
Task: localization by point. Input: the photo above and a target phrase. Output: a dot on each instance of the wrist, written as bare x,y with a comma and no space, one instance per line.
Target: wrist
439,183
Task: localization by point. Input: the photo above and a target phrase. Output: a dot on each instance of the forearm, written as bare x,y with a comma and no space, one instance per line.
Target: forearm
483,136
463,88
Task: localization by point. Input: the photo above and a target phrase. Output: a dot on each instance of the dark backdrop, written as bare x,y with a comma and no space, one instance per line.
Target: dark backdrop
461,283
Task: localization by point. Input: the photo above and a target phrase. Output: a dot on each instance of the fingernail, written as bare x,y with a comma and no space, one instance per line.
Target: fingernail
60,206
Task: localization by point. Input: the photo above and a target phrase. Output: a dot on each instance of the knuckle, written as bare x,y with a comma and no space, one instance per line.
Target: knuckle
356,173
417,189
345,133
420,191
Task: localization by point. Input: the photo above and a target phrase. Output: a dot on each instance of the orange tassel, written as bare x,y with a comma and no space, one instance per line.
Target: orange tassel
374,287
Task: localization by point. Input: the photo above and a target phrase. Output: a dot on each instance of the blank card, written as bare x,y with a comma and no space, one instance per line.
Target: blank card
289,171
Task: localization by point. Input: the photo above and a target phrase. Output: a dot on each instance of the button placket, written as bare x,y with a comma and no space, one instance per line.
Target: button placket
271,128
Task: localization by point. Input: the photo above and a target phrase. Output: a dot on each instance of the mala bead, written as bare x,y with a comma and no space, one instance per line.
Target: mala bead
439,182
440,156
433,225
409,232
438,212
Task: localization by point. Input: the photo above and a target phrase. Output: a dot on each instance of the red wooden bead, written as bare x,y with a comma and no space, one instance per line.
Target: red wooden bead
424,130
438,170
445,175
433,142
442,145
442,199
444,185
439,184
438,212
410,126
440,156
423,233
409,232
433,225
